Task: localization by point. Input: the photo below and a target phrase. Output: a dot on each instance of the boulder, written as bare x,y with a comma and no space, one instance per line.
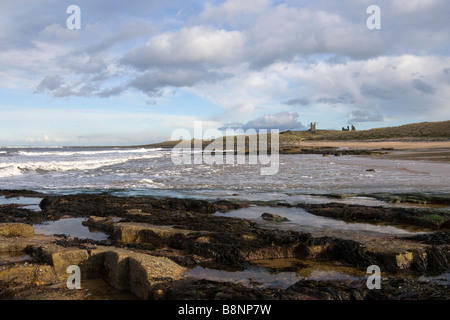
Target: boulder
137,272
105,224
130,232
135,232
273,217
123,269
61,258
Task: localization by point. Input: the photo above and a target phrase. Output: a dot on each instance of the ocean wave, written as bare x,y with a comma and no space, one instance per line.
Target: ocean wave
88,153
9,171
149,183
32,147
18,168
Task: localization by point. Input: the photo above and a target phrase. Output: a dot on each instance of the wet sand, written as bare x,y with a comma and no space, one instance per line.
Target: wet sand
438,151
379,144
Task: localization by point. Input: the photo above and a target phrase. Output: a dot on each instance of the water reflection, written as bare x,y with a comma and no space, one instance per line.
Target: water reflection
71,227
304,221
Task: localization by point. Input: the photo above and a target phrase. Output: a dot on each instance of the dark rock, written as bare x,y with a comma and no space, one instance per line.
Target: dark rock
330,290
224,205
211,290
5,291
360,213
413,198
197,236
434,238
347,251
273,217
20,193
45,203
11,213
391,289
438,259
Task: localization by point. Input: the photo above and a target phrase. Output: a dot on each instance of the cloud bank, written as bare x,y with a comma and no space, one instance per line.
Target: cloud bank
261,63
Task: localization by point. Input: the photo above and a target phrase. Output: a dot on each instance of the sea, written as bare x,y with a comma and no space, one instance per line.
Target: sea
152,172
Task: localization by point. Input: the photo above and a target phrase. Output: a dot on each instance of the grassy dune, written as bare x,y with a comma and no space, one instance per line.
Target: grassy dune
424,130
415,131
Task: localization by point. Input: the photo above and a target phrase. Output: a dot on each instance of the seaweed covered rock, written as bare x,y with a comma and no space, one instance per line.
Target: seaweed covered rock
434,238
427,218
273,217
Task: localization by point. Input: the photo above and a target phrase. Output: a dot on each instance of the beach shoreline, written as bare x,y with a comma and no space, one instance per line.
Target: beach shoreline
404,149
403,144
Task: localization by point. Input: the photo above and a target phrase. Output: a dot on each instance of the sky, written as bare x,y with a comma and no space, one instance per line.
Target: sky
138,70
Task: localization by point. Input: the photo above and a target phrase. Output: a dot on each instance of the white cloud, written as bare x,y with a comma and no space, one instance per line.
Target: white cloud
56,32
232,8
396,85
188,46
281,121
409,6
246,57
359,116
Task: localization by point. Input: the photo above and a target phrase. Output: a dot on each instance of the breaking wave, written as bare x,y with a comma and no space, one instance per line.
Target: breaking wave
18,168
86,153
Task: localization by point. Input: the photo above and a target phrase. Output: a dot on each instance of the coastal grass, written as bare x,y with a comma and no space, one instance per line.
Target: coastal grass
414,131
424,130
435,217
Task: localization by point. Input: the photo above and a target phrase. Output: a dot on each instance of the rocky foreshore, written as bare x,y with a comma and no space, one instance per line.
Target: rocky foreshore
153,243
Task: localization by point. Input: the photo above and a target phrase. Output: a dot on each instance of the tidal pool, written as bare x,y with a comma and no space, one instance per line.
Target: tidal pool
71,227
278,273
24,202
301,220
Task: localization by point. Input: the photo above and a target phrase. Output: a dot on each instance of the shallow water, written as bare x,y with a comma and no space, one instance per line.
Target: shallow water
278,273
301,220
71,227
254,277
13,257
283,273
25,202
442,279
143,171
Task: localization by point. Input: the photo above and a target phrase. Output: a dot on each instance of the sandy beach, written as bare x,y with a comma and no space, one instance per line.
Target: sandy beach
436,151
378,144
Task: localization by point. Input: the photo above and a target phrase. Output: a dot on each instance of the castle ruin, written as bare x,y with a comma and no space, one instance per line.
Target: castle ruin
348,128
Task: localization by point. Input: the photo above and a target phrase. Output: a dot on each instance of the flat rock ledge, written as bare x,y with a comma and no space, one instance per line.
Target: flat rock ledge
152,240
391,253
123,269
135,232
9,230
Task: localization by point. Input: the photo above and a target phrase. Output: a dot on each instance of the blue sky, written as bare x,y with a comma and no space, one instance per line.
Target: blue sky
137,70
